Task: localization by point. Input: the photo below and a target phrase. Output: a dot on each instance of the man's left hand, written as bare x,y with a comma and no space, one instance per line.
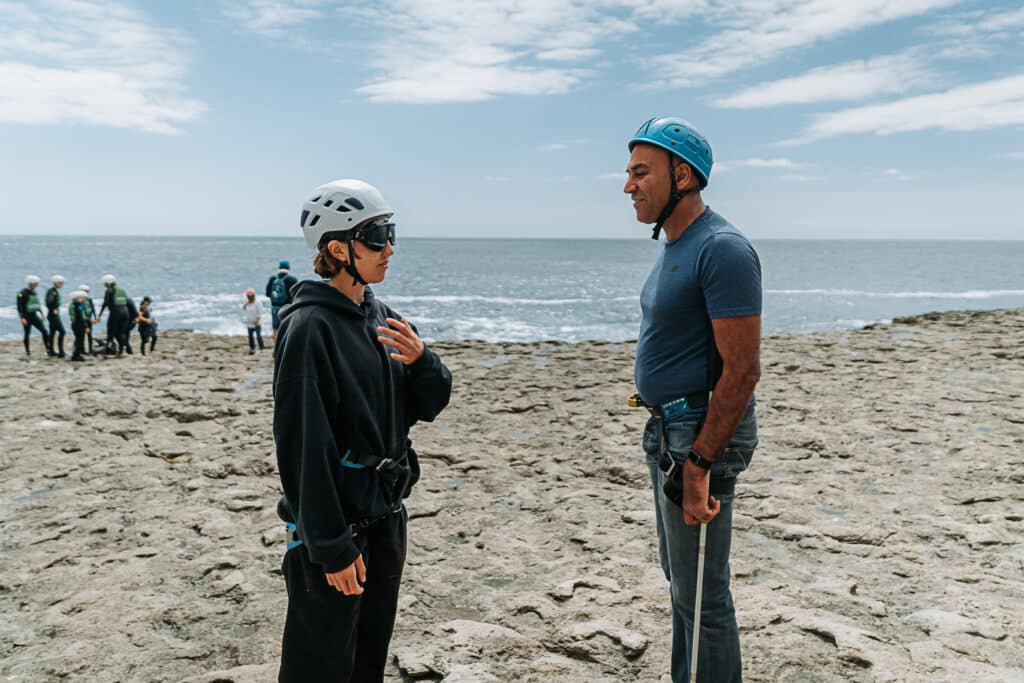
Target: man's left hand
699,507
401,337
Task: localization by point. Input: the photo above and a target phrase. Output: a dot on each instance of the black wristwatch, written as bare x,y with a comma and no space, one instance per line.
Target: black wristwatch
696,458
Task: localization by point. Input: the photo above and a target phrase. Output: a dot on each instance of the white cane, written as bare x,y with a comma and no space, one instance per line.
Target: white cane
696,603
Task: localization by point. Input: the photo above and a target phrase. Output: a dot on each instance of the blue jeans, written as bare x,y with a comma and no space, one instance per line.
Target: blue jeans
719,646
255,334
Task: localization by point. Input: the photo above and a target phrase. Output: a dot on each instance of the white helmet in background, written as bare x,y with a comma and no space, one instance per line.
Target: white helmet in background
84,288
340,205
79,294
31,280
109,279
58,279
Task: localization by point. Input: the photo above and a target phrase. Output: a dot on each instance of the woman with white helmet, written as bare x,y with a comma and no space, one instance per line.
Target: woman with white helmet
350,378
53,314
31,313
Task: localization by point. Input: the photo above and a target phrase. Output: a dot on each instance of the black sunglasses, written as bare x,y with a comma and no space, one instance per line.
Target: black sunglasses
376,234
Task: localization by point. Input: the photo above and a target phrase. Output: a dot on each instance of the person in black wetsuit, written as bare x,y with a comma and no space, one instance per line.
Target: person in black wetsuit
30,313
53,315
147,324
78,314
119,322
350,378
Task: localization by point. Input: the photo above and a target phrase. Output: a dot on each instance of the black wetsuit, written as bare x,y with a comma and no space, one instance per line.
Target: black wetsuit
340,405
78,313
31,312
147,331
53,317
118,324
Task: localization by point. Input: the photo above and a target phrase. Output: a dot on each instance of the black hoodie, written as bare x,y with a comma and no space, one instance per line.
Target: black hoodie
336,389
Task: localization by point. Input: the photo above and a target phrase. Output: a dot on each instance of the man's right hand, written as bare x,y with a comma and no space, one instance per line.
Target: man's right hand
24,323
350,579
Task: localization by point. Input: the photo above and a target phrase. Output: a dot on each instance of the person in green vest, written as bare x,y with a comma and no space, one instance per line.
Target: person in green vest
119,322
78,313
53,315
90,309
31,313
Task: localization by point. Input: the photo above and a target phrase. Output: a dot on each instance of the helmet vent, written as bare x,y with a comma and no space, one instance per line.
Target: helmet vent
328,203
315,199
316,219
342,209
355,203
305,215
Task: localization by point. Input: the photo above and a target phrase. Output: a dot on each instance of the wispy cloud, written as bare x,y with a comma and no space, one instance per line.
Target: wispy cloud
467,51
85,61
756,162
854,80
1011,155
564,145
273,18
998,22
896,174
991,104
617,175
758,32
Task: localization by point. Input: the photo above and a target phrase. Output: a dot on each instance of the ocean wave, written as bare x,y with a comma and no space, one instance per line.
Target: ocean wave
477,298
970,294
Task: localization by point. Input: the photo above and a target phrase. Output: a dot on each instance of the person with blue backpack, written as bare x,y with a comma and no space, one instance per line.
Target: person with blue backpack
279,291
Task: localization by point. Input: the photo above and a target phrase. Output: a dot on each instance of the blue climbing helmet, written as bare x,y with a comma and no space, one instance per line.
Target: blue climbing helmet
284,265
678,137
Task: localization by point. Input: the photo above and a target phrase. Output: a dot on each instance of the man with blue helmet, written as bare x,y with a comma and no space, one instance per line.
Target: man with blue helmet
697,363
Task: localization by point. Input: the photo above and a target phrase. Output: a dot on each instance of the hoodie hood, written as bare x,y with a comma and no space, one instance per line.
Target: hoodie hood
320,293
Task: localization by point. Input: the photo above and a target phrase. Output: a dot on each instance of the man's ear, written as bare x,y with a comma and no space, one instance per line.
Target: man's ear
683,174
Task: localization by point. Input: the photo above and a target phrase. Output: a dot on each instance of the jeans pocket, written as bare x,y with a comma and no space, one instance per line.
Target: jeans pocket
681,434
740,449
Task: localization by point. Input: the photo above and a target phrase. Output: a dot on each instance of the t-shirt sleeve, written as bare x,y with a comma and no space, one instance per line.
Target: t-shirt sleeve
730,274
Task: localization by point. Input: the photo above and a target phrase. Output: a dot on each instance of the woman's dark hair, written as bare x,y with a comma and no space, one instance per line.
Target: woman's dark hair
325,264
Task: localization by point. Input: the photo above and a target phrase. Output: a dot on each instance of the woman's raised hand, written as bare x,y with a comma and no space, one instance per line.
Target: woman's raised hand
401,337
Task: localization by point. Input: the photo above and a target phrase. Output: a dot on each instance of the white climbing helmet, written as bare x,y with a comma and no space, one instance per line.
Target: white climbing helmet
58,279
109,279
79,294
84,288
340,205
32,280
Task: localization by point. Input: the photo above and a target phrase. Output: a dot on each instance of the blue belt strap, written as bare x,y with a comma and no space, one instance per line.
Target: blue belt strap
294,534
352,465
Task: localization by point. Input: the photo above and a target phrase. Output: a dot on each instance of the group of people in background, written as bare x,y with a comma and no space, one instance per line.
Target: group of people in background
124,315
44,314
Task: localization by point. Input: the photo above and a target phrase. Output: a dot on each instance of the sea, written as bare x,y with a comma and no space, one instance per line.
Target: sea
525,290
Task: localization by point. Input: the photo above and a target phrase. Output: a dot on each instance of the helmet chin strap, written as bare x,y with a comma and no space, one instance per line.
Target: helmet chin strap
673,200
350,267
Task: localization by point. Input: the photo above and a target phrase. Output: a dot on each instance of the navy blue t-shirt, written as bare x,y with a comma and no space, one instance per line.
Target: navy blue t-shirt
711,271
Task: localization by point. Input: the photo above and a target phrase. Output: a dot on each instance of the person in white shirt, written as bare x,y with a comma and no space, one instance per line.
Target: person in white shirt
252,313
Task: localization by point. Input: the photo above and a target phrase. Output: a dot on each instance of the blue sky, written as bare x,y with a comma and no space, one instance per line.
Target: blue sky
828,118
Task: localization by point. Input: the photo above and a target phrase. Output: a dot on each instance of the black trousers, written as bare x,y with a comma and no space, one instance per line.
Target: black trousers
79,331
118,328
147,333
332,637
34,321
56,332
